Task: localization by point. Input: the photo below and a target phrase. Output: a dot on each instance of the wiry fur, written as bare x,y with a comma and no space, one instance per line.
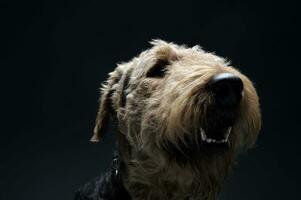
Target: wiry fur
159,120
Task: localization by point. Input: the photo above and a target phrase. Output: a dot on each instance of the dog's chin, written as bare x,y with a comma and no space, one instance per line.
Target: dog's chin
193,152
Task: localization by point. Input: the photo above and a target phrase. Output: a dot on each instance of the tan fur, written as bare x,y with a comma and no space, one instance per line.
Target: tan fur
162,111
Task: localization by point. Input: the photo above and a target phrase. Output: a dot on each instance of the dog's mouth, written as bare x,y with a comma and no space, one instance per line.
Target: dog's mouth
217,128
217,137
211,141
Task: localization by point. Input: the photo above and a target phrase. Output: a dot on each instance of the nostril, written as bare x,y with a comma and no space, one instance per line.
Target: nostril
227,89
222,89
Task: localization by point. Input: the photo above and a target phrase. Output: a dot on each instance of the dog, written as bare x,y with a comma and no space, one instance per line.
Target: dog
183,116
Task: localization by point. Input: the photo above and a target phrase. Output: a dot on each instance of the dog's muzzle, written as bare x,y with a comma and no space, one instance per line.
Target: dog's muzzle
226,90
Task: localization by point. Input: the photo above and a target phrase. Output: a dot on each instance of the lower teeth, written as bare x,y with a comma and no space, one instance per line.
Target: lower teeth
210,140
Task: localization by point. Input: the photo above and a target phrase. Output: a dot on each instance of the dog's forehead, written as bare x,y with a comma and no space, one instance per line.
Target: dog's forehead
177,55
181,56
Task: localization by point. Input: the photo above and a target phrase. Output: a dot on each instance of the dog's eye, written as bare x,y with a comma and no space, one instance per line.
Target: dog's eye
158,70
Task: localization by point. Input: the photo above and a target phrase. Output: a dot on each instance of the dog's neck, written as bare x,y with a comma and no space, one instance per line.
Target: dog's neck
153,178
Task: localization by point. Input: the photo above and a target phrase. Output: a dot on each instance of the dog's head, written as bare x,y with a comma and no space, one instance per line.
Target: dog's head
180,99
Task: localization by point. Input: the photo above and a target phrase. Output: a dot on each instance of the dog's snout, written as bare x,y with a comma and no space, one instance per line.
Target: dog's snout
226,88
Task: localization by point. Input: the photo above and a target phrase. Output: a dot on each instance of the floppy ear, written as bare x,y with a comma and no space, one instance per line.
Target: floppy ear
106,104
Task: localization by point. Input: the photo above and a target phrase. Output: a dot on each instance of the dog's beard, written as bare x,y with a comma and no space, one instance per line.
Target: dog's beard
212,136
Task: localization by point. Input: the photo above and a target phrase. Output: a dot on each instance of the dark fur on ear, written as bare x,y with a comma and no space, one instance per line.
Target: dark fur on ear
113,87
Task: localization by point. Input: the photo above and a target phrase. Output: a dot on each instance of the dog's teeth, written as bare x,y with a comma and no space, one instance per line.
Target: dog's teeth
228,132
203,134
210,140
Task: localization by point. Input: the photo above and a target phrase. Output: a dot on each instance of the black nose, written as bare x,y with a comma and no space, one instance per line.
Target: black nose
226,88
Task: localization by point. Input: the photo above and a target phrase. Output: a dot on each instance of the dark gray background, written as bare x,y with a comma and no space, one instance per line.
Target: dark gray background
56,54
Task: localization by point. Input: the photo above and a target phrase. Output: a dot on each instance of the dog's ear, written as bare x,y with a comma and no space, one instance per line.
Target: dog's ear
110,100
164,51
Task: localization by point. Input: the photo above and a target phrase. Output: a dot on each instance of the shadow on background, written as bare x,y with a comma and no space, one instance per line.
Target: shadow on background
57,53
